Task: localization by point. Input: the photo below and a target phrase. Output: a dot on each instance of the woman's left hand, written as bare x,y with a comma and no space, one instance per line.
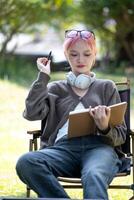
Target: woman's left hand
101,116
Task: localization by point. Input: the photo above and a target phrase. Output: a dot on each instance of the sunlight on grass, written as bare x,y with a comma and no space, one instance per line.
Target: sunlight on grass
13,136
14,142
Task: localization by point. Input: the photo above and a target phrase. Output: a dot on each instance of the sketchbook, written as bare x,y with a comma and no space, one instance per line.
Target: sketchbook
81,123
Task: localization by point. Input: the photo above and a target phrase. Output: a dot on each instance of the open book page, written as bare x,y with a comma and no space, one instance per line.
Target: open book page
81,123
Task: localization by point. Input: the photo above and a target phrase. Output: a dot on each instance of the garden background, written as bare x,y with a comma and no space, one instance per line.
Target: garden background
112,22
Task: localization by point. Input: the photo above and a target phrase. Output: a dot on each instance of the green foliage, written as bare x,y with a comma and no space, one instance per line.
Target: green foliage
17,70
20,16
113,21
97,13
22,71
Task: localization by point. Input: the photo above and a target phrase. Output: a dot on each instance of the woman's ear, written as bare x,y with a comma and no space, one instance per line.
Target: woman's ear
65,53
93,61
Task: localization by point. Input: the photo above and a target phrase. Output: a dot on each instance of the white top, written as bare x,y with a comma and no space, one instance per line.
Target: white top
64,129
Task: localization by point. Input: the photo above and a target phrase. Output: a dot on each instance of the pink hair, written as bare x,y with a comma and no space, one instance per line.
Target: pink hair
70,41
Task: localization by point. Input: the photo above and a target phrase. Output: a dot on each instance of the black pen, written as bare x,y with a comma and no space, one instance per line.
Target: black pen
49,56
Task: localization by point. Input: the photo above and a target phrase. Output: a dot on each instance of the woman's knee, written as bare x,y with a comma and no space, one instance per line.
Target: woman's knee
94,175
24,163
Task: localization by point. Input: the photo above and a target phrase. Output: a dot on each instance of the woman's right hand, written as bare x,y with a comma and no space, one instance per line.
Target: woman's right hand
101,115
43,65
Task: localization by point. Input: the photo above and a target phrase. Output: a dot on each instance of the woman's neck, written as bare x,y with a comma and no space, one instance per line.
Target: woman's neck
86,73
80,92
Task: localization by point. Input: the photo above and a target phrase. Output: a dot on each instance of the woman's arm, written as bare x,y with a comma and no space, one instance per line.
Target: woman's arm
39,99
101,115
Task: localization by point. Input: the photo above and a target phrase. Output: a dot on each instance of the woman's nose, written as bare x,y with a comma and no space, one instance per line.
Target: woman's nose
80,59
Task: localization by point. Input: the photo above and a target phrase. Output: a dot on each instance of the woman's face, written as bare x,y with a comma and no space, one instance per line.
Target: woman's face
80,57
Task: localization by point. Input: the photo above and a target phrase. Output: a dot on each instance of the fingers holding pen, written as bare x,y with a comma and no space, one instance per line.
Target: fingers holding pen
42,60
45,60
43,64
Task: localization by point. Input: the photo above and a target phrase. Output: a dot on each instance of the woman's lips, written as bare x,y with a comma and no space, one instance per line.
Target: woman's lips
80,66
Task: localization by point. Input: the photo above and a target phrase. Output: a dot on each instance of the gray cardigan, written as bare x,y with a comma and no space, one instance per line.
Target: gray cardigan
55,100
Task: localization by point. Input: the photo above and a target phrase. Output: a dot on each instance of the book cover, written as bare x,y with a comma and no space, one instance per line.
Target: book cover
81,123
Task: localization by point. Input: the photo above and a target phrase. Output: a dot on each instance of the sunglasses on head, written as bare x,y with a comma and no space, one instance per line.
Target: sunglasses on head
82,33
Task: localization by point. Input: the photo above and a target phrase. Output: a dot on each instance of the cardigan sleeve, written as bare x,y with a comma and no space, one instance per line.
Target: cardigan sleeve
39,99
117,135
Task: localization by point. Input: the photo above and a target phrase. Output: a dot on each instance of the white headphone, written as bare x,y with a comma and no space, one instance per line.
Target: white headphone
81,81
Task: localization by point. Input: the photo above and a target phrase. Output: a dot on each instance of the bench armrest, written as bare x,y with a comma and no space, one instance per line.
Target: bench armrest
36,133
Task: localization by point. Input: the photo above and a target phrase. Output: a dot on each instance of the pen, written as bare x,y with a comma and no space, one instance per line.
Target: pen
49,55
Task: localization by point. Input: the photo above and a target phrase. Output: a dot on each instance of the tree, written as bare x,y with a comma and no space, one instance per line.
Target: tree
114,21
19,16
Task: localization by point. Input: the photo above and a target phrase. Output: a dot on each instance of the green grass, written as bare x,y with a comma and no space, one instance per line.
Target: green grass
14,140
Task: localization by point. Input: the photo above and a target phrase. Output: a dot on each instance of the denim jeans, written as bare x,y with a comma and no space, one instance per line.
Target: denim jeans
87,157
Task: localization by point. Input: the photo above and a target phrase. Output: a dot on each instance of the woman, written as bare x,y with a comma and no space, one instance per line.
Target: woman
95,157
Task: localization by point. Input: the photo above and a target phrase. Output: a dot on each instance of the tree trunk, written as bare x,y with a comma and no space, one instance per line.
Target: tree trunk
126,48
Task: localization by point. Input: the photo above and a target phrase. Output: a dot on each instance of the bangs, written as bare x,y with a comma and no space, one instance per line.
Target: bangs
71,41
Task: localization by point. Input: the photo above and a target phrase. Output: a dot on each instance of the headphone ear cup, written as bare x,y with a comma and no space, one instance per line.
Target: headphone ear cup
82,81
71,78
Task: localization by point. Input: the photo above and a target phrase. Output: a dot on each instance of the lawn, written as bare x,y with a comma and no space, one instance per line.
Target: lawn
14,141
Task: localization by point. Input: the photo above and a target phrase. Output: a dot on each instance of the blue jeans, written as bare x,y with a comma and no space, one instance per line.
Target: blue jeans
87,157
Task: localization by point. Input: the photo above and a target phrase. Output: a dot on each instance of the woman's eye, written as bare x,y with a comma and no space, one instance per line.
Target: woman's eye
73,55
87,55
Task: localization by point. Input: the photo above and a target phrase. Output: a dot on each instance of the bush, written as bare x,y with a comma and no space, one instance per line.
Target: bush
22,68
17,69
